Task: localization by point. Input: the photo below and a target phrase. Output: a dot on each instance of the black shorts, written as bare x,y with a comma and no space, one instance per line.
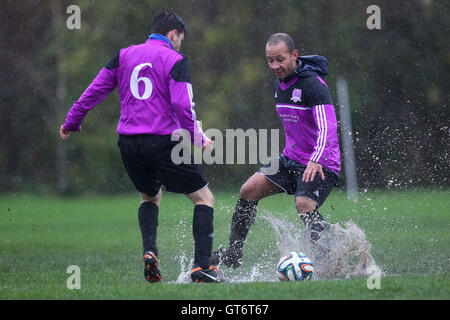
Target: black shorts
289,179
147,160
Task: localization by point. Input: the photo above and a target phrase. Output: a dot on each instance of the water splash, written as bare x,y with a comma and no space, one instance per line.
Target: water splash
185,264
342,252
185,269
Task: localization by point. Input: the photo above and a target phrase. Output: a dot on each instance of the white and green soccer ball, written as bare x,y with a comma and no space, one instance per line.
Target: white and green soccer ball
295,266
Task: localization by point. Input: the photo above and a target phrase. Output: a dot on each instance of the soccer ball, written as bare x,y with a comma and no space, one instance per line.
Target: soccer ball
295,266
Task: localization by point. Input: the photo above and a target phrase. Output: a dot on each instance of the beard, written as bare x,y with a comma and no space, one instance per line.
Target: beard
285,72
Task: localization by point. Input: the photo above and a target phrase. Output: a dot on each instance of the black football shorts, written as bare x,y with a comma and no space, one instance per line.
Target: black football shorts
147,160
289,179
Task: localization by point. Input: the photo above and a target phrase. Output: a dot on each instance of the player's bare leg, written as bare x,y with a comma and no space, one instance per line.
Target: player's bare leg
203,196
258,187
155,199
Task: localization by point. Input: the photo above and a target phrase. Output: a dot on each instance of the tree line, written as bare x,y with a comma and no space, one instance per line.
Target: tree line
398,78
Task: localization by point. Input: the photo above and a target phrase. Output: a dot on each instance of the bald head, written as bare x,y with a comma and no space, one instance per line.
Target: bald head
278,38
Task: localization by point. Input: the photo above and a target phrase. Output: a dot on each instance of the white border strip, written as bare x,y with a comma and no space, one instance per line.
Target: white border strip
323,131
291,107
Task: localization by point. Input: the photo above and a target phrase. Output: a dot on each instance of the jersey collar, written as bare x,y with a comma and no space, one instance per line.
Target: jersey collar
158,36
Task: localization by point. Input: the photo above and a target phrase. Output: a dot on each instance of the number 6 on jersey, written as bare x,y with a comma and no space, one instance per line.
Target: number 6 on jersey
134,82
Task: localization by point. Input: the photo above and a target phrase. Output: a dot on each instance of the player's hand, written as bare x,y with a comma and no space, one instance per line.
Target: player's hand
311,169
207,144
63,133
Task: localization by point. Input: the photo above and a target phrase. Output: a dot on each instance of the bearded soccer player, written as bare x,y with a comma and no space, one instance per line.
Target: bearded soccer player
309,166
154,84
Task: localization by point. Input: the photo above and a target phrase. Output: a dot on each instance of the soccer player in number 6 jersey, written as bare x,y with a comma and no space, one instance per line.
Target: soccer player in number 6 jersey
310,163
154,84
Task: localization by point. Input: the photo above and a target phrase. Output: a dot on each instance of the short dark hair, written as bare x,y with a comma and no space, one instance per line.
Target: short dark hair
284,37
166,20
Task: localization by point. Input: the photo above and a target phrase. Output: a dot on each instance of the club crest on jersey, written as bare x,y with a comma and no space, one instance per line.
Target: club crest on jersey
296,95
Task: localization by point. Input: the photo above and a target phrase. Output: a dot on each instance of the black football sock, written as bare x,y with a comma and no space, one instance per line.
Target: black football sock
203,231
243,218
148,222
313,220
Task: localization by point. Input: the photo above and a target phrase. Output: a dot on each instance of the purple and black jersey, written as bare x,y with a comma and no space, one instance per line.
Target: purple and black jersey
155,92
305,107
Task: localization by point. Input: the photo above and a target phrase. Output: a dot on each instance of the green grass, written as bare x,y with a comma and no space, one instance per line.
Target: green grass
40,237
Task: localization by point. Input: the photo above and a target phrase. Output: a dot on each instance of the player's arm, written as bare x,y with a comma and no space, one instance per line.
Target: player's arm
181,96
326,123
100,87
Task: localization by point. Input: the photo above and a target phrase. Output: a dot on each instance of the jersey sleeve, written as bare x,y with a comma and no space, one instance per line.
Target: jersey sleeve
181,97
100,87
319,98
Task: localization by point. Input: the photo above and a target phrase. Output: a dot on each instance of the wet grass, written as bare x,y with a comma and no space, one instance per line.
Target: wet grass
41,237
